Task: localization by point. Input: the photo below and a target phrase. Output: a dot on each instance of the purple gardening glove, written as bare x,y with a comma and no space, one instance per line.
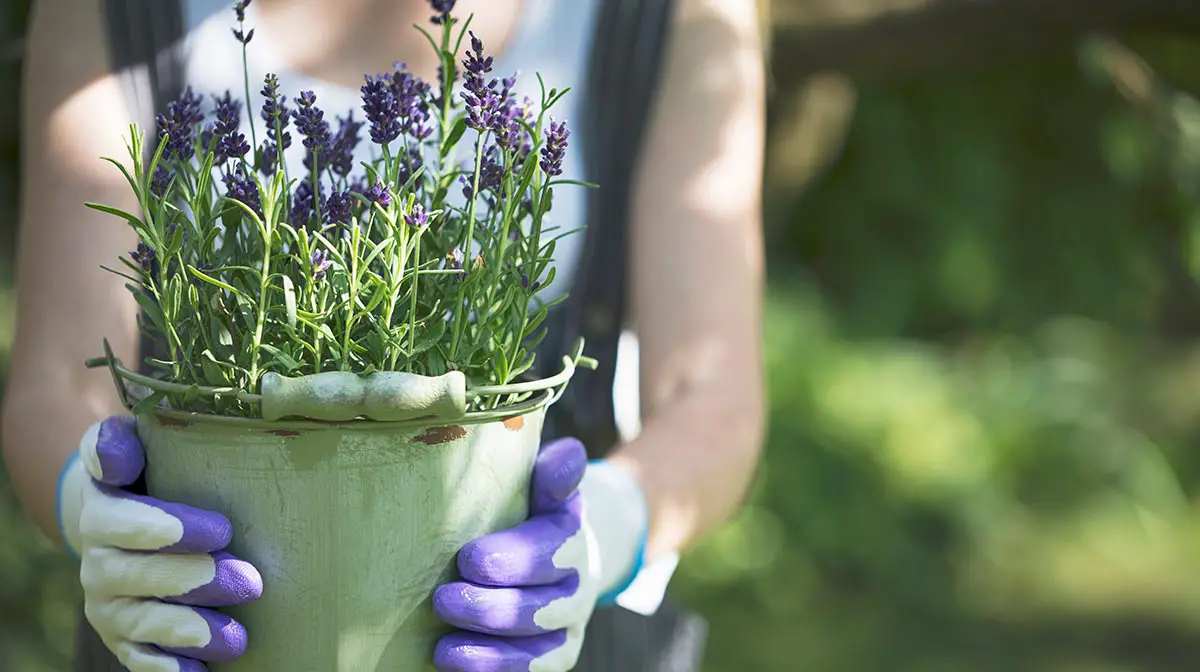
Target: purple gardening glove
527,593
151,570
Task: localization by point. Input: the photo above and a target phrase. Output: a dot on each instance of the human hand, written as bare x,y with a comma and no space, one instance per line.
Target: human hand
527,593
152,571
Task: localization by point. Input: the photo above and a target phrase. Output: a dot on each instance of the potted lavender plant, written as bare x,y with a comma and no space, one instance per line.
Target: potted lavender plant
346,350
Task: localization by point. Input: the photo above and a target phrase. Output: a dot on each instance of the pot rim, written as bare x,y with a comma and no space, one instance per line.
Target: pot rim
523,397
536,404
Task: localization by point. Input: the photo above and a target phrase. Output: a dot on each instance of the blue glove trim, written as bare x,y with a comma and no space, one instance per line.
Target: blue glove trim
62,476
639,560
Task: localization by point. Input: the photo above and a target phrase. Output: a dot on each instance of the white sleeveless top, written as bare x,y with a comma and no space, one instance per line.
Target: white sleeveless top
553,38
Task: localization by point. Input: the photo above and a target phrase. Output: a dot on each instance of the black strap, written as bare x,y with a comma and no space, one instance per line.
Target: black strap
142,36
623,78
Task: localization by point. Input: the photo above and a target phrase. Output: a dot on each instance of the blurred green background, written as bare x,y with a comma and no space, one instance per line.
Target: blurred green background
984,352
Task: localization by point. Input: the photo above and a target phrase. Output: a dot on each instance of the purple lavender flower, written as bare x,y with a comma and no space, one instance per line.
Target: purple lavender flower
555,148
345,141
468,190
276,114
268,155
382,109
160,181
305,204
480,97
239,187
411,93
206,136
525,283
443,9
275,109
337,207
240,10
378,193
417,218
410,162
146,257
179,122
230,143
320,263
310,121
491,173
506,122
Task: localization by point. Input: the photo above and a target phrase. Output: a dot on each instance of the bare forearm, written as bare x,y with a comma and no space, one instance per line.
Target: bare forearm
41,430
694,460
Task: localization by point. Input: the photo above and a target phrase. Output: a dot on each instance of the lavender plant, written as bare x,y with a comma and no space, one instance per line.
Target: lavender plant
242,269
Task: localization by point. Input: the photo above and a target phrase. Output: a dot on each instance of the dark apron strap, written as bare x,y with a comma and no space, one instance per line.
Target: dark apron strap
141,37
623,78
141,34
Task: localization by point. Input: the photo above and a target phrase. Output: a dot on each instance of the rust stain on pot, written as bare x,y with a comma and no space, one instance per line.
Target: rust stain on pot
169,421
514,423
283,432
436,435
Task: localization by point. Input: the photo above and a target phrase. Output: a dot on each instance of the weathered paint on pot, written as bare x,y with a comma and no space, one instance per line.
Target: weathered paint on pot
352,525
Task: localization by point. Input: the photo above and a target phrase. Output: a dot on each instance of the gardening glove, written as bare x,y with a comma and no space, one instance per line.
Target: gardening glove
150,569
527,593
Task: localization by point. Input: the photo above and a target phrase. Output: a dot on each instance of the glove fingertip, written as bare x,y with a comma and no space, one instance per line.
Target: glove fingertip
190,665
112,451
558,471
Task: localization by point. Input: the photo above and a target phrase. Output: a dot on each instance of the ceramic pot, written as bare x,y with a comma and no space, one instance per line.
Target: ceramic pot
351,524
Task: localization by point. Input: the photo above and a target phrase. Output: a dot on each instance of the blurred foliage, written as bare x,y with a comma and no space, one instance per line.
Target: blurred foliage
984,371
985,379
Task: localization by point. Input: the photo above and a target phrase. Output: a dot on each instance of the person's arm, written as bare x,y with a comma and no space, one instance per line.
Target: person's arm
74,113
697,277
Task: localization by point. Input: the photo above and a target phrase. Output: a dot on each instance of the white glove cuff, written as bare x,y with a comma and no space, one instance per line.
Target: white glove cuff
616,512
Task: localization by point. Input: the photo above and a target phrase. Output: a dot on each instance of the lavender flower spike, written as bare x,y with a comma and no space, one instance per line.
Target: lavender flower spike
179,124
230,143
555,148
443,9
480,96
417,218
240,10
382,109
338,208
378,193
310,120
146,257
341,150
241,188
275,109
320,263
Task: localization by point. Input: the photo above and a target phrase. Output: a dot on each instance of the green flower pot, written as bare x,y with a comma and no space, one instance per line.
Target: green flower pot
352,524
